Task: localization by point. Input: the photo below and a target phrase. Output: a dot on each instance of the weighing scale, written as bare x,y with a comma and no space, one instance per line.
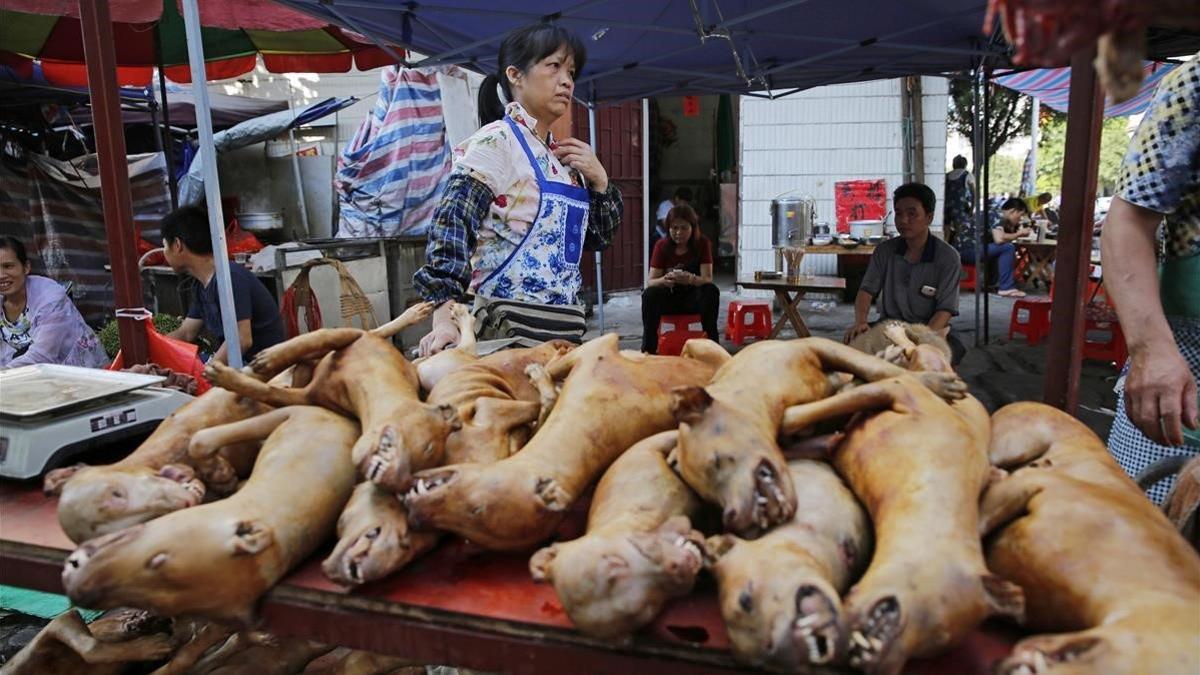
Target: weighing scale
51,414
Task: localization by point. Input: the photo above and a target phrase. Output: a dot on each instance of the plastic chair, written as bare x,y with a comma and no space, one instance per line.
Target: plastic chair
1036,324
967,281
757,311
1103,339
676,329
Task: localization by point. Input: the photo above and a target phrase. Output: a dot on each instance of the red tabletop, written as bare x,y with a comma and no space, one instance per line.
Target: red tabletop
456,606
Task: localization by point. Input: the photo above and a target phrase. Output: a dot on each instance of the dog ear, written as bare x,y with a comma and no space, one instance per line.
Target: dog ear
54,481
449,416
251,537
688,404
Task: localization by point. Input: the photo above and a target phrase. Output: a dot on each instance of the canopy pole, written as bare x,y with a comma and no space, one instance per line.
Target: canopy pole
985,188
296,163
1063,355
1034,135
168,145
101,60
645,190
212,186
980,202
599,271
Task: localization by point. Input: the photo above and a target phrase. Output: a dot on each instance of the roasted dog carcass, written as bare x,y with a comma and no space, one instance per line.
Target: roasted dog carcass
107,646
215,560
362,375
158,477
609,401
495,400
374,538
639,551
1102,568
918,464
728,448
781,593
496,403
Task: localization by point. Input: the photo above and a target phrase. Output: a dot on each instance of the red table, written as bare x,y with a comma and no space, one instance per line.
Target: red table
455,607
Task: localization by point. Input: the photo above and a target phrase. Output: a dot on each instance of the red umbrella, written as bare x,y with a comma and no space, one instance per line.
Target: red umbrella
150,34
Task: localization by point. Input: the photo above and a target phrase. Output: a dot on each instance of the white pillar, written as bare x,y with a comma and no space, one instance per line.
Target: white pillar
212,187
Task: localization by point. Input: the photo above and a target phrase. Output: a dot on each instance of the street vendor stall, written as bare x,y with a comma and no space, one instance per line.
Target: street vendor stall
455,607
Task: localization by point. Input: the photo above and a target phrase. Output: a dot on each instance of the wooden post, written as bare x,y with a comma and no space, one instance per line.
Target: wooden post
103,87
1084,113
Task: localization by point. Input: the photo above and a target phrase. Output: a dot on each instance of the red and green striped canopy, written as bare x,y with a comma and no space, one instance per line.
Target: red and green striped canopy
57,41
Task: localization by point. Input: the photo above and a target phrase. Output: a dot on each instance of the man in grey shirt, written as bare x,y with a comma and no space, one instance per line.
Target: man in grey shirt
917,273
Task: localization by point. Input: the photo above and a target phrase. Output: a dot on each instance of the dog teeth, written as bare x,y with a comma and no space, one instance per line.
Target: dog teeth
806,621
860,640
422,486
1039,662
760,500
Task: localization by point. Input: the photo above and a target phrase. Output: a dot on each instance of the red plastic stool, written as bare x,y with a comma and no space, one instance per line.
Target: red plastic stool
759,313
676,329
1037,319
967,281
1104,341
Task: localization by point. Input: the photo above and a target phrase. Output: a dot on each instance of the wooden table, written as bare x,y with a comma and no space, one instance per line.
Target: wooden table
461,608
851,264
1038,259
789,292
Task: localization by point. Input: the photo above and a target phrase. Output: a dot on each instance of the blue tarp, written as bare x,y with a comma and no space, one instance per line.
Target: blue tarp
659,47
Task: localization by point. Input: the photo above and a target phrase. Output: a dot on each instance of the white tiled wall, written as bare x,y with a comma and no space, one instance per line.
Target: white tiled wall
811,140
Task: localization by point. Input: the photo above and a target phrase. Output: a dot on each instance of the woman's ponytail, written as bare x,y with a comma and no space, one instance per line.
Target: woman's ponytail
491,106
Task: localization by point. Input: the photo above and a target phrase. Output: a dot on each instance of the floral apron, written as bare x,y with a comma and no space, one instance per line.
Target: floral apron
544,268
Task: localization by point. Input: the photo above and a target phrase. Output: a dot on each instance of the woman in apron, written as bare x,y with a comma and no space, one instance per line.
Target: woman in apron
1159,183
520,207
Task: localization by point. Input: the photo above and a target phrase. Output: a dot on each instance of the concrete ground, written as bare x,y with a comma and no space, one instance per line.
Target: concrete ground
998,372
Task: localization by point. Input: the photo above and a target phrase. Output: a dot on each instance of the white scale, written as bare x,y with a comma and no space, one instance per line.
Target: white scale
50,415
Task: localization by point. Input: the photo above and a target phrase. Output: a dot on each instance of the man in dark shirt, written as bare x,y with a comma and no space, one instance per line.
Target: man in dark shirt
916,272
188,248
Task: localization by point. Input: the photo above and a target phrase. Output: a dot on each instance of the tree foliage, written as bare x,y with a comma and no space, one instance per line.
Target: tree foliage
1114,139
1008,114
1005,174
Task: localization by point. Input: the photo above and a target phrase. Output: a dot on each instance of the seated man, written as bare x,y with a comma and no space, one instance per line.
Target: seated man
188,248
916,272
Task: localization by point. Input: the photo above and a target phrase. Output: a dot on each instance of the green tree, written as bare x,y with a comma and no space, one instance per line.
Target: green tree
1005,174
1008,114
1114,140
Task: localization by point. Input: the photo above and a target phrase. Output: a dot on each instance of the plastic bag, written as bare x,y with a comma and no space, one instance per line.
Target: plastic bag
238,240
177,355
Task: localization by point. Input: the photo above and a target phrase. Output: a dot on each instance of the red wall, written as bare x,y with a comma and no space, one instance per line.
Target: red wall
619,146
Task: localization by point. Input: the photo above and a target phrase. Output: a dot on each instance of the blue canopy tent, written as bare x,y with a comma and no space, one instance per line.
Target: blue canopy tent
655,47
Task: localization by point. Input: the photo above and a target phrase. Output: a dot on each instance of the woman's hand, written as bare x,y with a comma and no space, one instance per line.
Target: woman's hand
578,155
1160,394
443,333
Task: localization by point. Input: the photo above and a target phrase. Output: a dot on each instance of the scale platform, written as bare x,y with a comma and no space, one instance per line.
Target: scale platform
50,415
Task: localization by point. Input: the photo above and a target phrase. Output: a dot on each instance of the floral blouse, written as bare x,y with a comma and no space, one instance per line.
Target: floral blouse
491,162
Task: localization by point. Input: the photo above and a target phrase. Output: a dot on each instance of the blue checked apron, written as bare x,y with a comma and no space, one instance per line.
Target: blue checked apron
542,273
1181,302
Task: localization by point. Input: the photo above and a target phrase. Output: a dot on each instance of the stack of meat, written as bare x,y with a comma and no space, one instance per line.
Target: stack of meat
865,509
